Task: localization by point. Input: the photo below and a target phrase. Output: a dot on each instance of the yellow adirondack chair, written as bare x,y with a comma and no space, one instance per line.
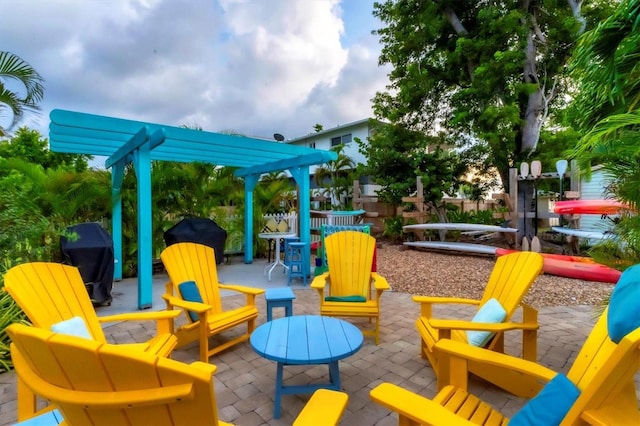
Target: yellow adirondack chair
325,231
353,290
50,293
511,278
603,372
93,383
194,264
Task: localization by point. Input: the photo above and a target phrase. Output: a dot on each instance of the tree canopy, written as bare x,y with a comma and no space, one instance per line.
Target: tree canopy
396,156
28,145
488,74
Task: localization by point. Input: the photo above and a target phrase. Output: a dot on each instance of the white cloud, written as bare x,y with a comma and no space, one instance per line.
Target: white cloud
254,66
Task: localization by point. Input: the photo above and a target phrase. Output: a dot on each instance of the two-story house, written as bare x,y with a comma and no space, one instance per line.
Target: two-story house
343,134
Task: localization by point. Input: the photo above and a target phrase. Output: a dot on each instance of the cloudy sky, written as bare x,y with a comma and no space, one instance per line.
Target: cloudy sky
252,66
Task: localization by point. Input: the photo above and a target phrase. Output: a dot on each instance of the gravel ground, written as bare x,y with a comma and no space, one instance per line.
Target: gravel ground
431,273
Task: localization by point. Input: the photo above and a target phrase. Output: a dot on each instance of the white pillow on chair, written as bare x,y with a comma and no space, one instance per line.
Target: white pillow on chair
73,327
491,312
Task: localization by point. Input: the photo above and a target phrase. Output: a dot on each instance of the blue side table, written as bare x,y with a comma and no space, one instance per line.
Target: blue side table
305,340
279,298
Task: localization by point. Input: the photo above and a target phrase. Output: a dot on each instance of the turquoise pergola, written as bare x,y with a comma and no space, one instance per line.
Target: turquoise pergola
125,141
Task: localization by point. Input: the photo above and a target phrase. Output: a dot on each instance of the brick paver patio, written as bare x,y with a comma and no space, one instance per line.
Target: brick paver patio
244,382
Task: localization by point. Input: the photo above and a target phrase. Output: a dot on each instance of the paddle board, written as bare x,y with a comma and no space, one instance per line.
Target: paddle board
588,207
457,227
582,233
453,246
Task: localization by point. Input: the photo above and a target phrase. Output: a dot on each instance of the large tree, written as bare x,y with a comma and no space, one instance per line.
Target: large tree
396,156
488,73
16,100
29,145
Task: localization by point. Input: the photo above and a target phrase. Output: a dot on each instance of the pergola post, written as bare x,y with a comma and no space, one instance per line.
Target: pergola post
250,182
301,176
117,176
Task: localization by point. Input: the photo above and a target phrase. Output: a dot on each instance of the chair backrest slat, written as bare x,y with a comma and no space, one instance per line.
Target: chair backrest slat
349,257
49,293
194,262
511,278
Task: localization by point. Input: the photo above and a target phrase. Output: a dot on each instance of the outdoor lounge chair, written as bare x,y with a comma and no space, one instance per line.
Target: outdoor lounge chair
194,287
352,289
94,383
599,388
325,231
511,278
53,295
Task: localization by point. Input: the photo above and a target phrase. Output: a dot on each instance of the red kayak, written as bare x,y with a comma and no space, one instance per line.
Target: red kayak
582,271
583,268
588,207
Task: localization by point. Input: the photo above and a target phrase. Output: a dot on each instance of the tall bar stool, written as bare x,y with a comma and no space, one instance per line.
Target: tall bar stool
296,253
285,248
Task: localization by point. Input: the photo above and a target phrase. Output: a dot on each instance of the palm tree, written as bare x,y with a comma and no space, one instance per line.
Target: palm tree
13,105
337,176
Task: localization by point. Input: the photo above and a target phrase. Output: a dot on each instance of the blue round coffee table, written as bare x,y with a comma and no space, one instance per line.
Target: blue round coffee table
306,340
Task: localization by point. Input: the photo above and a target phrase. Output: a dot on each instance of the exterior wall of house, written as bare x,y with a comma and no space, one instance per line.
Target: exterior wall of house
346,134
594,189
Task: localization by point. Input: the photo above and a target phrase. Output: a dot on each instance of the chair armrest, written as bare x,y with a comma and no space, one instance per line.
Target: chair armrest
140,316
163,319
453,324
242,289
207,370
320,281
463,351
427,301
250,292
379,282
324,407
196,307
413,408
436,299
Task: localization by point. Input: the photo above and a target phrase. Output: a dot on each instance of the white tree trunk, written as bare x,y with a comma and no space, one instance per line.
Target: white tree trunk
536,105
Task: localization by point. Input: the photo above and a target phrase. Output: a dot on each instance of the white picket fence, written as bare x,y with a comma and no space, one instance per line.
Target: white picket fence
316,222
236,246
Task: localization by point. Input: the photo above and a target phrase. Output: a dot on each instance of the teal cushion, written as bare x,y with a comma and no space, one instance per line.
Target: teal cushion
190,292
73,327
550,405
624,305
50,418
491,312
345,299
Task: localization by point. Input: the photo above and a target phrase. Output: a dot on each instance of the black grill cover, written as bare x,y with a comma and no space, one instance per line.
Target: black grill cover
198,230
92,253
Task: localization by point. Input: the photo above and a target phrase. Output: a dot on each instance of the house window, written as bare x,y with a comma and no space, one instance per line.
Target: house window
311,144
344,139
